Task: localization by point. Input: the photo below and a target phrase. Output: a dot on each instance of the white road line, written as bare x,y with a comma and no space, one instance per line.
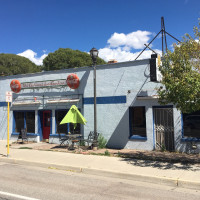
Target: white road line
17,196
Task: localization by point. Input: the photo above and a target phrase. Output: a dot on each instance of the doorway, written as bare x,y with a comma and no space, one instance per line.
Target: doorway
164,128
46,125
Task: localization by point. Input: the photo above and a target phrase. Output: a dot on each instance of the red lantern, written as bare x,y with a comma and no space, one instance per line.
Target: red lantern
73,81
15,86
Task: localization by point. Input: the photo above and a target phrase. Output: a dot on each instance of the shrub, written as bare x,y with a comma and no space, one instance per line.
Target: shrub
101,142
107,153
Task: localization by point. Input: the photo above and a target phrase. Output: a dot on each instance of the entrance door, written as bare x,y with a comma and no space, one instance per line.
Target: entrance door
164,128
46,124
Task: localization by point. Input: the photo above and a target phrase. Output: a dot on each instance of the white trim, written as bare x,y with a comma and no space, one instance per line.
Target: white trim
63,101
147,97
26,103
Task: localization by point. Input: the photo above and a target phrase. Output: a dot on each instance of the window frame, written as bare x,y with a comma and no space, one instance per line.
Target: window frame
136,136
68,124
25,125
56,130
186,138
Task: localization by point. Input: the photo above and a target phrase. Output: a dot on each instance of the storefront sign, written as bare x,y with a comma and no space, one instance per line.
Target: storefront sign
42,84
73,81
15,86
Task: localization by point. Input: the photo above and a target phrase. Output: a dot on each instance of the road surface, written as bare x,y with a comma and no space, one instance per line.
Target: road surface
33,183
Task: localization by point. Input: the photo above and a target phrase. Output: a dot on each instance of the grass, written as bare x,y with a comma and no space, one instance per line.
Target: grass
106,153
25,148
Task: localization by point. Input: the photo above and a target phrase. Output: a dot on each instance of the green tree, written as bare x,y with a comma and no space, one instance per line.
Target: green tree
181,74
11,64
68,58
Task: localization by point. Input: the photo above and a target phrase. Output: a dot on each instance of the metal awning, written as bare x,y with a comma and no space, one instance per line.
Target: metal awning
147,97
26,103
63,101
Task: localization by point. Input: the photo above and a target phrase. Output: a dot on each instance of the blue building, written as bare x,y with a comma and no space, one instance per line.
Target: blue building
128,113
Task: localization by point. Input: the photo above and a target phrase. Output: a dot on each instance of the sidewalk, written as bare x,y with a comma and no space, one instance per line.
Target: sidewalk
180,175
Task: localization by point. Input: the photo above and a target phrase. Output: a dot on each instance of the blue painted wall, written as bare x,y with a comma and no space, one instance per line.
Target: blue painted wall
118,86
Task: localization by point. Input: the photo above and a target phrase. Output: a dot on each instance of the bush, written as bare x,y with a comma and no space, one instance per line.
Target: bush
107,153
101,142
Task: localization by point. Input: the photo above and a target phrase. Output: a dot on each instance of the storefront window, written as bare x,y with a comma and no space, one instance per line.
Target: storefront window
65,128
61,128
24,119
30,122
138,121
191,125
76,130
19,121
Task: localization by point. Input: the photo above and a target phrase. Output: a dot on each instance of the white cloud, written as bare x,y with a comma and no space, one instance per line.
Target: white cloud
121,55
121,47
135,40
31,55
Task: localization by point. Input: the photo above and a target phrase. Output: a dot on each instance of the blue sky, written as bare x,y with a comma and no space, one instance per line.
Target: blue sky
118,28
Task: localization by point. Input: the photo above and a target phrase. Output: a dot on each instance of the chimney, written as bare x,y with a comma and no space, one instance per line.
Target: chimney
112,61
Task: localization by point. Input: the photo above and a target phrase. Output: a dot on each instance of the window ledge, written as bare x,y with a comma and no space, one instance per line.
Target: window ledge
190,139
28,134
137,137
56,135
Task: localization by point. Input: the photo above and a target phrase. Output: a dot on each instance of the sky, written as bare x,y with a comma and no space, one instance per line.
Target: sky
117,28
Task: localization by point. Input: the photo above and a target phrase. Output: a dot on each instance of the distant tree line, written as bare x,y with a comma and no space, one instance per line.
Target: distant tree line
11,64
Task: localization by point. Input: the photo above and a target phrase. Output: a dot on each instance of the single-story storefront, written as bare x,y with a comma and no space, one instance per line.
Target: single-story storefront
128,112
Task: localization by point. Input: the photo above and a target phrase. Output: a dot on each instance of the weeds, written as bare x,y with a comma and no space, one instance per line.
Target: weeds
25,148
101,142
107,153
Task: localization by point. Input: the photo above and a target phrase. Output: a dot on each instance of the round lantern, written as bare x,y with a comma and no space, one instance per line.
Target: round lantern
73,81
15,86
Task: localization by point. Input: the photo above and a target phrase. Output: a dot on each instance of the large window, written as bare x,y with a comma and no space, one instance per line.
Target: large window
137,122
65,128
24,119
191,125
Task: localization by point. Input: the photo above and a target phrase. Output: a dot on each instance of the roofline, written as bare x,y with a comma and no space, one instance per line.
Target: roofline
77,69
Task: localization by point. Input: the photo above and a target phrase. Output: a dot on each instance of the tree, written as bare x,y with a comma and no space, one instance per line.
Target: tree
68,58
181,74
11,64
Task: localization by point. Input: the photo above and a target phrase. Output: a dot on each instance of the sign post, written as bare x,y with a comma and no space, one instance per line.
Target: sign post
8,100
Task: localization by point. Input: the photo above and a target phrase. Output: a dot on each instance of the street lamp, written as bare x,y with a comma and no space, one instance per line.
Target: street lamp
94,54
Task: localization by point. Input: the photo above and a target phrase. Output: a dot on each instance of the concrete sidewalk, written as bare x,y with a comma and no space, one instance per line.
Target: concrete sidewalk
180,175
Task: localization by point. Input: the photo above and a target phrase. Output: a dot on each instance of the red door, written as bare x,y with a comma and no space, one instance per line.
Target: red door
46,124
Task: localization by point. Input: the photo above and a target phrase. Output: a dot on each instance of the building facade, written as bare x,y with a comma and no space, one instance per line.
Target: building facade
128,113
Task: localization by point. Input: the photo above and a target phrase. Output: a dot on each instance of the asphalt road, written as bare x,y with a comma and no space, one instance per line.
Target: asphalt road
32,183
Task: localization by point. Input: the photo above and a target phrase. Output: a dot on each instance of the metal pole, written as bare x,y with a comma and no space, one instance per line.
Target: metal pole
173,37
162,28
147,45
95,110
150,48
8,131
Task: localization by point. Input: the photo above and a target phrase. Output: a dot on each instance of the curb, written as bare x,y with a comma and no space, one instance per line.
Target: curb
129,176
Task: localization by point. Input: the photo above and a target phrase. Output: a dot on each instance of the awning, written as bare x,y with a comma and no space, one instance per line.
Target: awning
147,97
63,101
26,103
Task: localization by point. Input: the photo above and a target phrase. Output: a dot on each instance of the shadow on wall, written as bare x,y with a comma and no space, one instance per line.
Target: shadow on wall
120,136
83,81
187,146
